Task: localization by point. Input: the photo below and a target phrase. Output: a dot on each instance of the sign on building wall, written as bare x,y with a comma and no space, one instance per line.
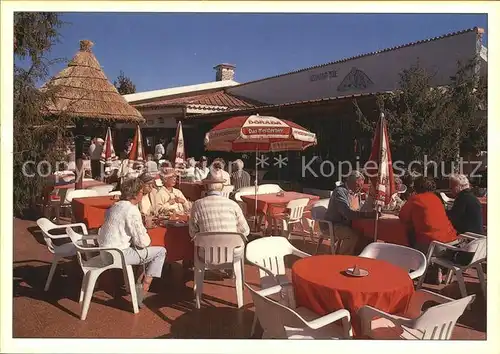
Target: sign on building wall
371,73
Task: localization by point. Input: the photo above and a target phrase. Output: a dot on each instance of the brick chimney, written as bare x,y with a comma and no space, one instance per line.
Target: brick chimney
224,72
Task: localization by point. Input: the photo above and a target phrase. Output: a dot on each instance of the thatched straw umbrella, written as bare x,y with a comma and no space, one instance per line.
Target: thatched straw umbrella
83,92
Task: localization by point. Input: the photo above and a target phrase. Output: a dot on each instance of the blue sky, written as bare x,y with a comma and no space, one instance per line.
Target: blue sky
158,50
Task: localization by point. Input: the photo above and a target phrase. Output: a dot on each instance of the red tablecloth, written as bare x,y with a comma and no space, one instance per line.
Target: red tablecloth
390,229
191,190
321,285
176,240
272,204
91,210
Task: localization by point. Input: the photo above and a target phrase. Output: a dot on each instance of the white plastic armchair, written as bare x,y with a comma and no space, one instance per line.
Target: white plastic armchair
295,213
437,322
447,200
59,252
281,322
269,189
318,212
101,190
477,245
227,190
268,255
219,250
113,193
412,260
109,258
79,193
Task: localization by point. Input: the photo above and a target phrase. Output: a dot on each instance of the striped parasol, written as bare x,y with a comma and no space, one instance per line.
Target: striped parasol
108,154
137,152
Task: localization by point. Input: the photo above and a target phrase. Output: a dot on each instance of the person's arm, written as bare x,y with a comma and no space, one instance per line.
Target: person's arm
193,221
163,201
342,201
241,222
138,232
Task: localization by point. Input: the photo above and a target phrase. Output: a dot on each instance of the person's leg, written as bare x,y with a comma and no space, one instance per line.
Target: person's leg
348,239
153,257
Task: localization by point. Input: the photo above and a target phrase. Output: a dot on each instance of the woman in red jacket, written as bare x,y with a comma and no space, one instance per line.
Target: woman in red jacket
425,217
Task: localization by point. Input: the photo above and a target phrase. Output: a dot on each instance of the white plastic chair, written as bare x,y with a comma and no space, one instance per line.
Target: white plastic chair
410,259
101,190
268,254
294,215
479,243
281,322
59,252
269,189
318,212
218,250
109,258
446,199
118,193
436,322
227,190
79,193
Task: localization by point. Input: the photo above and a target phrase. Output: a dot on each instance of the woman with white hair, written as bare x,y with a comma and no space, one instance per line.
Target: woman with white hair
188,172
466,214
240,178
218,166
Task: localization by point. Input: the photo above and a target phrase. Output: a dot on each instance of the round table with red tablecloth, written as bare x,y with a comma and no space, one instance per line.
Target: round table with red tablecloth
390,229
322,286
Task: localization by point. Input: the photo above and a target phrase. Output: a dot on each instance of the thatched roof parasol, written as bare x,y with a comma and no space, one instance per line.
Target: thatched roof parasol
82,90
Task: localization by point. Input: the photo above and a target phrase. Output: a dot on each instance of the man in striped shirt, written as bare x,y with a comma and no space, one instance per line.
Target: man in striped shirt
216,213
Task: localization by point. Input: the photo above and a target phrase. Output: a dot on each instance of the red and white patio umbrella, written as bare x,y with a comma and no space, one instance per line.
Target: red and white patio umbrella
137,152
179,150
108,154
258,134
379,168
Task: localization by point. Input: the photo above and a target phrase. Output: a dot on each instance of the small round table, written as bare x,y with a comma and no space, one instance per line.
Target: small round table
321,285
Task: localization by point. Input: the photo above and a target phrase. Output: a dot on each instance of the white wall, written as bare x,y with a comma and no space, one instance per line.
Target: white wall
379,72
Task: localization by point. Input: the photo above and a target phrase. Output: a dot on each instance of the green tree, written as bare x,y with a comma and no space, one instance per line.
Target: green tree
124,84
440,122
36,137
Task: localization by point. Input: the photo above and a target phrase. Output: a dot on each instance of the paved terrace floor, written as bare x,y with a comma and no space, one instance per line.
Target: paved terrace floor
169,311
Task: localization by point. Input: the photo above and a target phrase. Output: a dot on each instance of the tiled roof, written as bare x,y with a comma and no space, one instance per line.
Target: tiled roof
477,29
294,104
219,100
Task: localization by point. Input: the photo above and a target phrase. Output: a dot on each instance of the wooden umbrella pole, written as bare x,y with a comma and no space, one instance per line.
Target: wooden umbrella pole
376,226
79,154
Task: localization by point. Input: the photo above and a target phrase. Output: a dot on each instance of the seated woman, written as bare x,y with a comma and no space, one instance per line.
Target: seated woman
148,204
170,199
123,229
188,173
201,170
425,217
466,215
395,204
219,165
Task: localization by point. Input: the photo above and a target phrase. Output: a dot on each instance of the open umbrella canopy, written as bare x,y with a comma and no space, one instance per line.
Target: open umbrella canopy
82,90
258,133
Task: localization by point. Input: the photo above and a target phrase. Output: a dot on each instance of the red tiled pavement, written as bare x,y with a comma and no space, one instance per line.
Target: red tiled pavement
169,311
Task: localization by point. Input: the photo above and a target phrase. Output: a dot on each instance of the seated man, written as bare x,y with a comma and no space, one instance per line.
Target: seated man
466,215
215,212
240,178
170,199
343,208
